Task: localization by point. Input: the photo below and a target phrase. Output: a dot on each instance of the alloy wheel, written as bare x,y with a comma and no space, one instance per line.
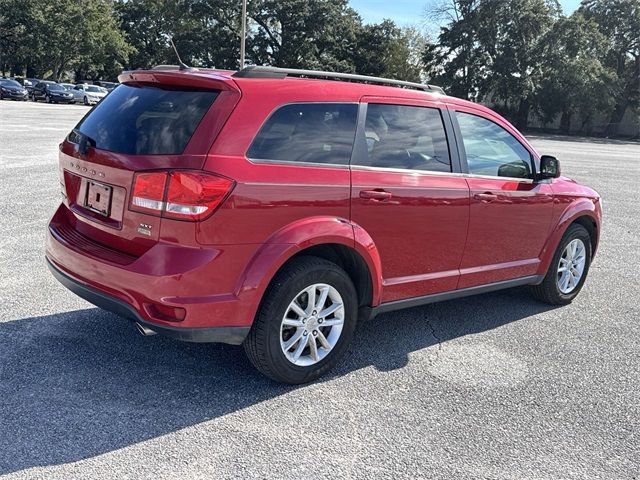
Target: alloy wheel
571,266
312,324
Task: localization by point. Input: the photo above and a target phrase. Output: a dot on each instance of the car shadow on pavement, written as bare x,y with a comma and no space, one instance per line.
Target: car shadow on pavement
83,383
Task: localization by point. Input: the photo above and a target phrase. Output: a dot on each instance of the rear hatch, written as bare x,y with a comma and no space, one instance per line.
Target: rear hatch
154,122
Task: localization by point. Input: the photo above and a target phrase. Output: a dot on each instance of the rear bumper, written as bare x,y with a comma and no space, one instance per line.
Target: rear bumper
184,291
231,335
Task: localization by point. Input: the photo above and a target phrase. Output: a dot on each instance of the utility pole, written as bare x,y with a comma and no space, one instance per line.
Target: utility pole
243,33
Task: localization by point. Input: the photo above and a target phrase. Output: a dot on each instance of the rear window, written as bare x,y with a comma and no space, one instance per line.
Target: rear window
309,133
145,120
405,137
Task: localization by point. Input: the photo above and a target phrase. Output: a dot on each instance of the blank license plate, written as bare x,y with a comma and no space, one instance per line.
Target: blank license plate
98,198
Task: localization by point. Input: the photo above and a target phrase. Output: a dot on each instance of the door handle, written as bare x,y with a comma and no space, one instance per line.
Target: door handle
485,197
379,195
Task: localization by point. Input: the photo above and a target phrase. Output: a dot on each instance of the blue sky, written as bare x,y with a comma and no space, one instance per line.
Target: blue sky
411,12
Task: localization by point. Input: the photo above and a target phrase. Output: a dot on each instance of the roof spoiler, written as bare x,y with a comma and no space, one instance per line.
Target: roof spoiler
193,78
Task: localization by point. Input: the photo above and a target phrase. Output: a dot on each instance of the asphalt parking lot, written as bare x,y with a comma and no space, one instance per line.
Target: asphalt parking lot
494,386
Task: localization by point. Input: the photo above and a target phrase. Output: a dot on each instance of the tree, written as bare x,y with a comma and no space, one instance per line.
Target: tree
147,25
511,36
619,21
57,36
319,34
574,80
456,61
386,50
492,49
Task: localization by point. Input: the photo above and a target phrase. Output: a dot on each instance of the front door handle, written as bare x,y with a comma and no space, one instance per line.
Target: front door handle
379,195
485,197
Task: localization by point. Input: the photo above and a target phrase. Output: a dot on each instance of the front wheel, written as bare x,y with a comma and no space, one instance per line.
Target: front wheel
86,101
305,321
569,268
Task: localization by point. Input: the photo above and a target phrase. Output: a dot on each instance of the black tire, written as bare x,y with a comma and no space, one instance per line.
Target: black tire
548,290
47,99
262,345
86,101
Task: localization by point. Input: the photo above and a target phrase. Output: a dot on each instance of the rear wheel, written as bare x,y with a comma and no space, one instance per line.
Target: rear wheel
305,321
569,268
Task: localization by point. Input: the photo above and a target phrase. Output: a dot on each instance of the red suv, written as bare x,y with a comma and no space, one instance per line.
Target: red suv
277,208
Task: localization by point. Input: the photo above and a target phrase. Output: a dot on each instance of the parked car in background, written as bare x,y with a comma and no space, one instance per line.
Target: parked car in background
88,94
51,92
11,89
29,83
278,208
108,85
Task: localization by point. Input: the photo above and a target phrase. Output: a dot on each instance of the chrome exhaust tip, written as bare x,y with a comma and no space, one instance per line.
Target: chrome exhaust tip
144,330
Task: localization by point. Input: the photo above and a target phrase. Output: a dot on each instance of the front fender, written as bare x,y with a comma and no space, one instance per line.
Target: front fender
572,208
296,237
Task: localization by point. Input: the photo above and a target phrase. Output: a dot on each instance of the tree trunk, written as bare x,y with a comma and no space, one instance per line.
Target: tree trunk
522,117
616,117
630,91
565,122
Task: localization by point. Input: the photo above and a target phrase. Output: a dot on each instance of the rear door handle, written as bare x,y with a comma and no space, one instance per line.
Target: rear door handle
379,195
485,197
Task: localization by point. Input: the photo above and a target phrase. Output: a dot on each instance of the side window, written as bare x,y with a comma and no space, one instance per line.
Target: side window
307,132
407,137
491,150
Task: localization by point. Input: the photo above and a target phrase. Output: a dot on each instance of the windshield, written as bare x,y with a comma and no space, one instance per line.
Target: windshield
145,120
93,88
9,83
55,86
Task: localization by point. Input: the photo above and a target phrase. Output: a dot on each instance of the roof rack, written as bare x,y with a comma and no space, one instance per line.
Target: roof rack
171,67
256,71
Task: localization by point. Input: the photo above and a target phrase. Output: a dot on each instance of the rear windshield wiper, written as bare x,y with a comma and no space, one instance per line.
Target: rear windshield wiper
84,141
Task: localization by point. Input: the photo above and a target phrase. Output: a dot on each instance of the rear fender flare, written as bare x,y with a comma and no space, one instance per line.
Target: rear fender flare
295,238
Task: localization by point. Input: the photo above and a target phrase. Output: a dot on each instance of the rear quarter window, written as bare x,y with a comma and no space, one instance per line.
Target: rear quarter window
307,133
145,120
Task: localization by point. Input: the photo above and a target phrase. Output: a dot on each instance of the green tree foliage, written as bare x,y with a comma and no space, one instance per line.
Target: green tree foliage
456,61
525,56
619,21
315,34
513,40
492,48
53,37
304,33
574,79
388,51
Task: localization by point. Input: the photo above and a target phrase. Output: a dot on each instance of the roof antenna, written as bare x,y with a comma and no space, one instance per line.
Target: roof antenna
182,65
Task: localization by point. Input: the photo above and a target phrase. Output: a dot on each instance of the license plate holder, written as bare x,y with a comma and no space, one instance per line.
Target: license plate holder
98,198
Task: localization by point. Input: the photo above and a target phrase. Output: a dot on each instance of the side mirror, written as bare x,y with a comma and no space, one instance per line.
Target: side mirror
549,167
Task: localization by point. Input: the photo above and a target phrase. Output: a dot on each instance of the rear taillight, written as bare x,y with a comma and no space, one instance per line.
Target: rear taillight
148,192
180,195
